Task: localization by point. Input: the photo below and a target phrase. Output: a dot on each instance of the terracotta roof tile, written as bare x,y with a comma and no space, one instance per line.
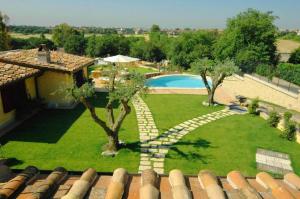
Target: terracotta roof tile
293,180
274,186
148,185
10,73
59,60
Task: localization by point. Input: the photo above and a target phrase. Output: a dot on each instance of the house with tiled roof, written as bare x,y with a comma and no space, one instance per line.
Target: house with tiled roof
38,74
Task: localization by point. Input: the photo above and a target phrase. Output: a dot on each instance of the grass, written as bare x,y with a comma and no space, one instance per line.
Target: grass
229,144
287,45
141,70
70,139
26,36
170,110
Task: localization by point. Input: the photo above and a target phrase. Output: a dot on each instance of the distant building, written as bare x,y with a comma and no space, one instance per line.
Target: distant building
139,31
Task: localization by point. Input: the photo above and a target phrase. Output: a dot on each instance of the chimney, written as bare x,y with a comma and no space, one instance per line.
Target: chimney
43,54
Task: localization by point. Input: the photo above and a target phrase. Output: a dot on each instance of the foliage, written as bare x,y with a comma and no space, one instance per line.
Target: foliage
100,30
107,45
274,118
216,70
47,30
249,40
289,72
90,47
295,57
147,51
119,91
4,36
289,131
30,29
32,42
289,36
190,46
62,32
155,49
265,70
155,28
86,90
252,108
287,116
75,44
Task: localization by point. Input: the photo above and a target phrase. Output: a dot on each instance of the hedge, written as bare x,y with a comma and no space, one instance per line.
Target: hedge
289,72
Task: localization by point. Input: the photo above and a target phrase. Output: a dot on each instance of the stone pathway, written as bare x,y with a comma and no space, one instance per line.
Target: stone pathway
154,147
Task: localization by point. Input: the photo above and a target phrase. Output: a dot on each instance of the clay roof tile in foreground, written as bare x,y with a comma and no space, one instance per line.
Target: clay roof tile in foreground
33,184
59,61
10,73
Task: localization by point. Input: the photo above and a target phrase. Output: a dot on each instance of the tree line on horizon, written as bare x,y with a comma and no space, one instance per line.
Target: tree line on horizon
248,39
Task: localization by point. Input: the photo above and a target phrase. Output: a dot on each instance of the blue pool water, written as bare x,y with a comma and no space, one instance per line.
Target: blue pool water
176,81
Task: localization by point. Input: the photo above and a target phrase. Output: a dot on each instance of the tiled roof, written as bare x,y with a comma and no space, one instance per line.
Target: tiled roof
59,60
10,73
148,185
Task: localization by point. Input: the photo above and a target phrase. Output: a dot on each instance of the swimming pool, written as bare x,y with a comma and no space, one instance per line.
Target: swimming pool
176,81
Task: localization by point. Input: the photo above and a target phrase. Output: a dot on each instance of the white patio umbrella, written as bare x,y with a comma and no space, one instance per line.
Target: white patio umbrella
120,59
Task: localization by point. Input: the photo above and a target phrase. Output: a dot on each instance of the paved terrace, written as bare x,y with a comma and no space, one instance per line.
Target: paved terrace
148,185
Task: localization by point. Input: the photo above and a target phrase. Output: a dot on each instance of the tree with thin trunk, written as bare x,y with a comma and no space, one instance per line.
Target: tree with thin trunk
121,89
217,71
4,35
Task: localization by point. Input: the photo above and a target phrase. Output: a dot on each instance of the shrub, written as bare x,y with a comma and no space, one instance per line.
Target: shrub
252,108
265,70
289,72
295,57
289,132
274,119
287,116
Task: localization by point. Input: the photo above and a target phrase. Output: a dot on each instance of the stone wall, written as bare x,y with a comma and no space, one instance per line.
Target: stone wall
253,87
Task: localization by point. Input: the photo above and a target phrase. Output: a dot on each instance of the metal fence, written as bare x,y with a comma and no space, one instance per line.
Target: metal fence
280,83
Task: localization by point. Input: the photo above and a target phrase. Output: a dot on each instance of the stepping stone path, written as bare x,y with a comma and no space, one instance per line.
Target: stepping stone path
154,147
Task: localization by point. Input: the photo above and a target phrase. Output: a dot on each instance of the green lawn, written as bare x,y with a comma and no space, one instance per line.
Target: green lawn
71,139
229,144
142,70
171,110
131,69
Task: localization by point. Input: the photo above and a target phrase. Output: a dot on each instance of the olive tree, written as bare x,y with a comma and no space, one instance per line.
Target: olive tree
121,90
217,71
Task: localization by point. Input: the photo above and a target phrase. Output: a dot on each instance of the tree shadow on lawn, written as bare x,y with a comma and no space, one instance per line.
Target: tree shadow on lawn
200,143
12,162
132,146
48,126
191,156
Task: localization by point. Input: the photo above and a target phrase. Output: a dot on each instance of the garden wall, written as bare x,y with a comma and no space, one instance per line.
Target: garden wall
252,87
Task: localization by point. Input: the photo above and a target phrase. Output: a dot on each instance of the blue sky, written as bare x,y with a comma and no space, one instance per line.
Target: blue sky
142,13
